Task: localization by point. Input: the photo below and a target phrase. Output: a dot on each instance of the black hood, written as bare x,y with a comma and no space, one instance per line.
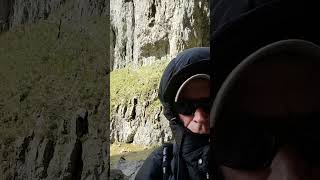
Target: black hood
184,65
225,11
187,63
242,27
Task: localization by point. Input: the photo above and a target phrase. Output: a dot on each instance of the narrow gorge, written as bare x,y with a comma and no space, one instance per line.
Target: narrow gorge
145,36
79,75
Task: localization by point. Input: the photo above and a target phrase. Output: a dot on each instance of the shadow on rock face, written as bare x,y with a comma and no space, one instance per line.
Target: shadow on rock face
116,174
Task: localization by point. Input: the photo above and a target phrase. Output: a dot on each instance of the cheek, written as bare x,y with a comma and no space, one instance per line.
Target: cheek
185,119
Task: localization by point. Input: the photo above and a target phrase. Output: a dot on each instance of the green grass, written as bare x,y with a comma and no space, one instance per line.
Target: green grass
49,77
128,82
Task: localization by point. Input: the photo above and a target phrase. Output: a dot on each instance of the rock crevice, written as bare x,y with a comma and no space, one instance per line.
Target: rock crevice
148,126
70,156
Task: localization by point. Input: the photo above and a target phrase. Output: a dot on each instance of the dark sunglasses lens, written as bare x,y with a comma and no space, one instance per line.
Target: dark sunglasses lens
185,108
188,107
206,107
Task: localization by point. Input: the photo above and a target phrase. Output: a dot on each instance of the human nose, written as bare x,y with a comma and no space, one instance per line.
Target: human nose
288,165
200,116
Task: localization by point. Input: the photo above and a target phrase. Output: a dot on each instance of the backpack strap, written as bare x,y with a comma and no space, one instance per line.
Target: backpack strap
167,154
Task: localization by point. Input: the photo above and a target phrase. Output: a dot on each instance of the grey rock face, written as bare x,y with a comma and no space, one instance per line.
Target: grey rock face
117,174
91,7
139,127
156,29
6,8
78,147
129,168
33,157
96,158
18,12
30,11
71,156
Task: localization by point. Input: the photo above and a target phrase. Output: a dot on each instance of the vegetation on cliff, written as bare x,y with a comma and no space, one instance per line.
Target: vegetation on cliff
129,82
48,71
125,84
41,73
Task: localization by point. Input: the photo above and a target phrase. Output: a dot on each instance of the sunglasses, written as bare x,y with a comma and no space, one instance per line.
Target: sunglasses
188,107
251,143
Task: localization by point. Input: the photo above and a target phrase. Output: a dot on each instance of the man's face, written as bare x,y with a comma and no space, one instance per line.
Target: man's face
275,97
198,122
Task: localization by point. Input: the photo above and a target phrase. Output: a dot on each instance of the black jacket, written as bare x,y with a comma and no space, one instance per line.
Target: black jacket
189,161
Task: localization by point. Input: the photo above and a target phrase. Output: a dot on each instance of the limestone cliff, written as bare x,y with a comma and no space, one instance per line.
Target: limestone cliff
74,154
53,90
6,9
143,31
132,123
18,12
136,113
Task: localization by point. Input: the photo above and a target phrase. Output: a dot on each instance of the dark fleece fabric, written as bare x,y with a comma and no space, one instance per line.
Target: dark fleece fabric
241,27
